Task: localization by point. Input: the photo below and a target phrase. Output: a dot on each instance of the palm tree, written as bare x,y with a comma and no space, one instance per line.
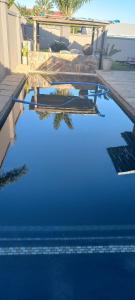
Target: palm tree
43,7
43,115
69,7
59,117
63,92
24,11
12,176
10,2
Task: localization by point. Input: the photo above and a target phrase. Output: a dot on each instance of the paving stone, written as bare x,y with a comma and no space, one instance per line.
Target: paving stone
6,93
123,84
8,87
3,101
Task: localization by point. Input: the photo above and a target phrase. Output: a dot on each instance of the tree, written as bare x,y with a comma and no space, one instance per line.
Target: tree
59,117
43,115
43,7
10,2
12,176
24,11
69,7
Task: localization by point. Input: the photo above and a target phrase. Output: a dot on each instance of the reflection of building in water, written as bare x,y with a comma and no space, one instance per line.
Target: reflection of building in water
64,99
70,98
7,132
58,103
123,157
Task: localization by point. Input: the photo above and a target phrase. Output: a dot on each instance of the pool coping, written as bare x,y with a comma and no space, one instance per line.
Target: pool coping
116,93
10,87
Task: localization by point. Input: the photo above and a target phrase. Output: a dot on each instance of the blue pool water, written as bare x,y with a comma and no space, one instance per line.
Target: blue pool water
69,177
67,196
67,278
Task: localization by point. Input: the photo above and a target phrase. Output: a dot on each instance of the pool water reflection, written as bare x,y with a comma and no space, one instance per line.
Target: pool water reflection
66,175
67,225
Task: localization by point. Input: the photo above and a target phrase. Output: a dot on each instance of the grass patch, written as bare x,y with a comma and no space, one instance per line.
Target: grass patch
122,67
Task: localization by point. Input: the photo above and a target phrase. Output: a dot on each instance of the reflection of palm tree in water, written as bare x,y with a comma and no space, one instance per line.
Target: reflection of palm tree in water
63,92
12,176
62,117
43,115
58,118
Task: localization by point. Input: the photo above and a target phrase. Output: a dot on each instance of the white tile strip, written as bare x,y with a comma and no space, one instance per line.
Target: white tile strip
66,250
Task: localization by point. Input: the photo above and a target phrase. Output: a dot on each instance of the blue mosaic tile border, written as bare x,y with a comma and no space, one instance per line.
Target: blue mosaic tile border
75,250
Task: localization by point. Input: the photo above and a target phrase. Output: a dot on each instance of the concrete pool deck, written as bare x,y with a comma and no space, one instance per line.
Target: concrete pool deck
9,87
122,86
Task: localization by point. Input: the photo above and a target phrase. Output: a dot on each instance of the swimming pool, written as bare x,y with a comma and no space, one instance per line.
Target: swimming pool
64,147
67,163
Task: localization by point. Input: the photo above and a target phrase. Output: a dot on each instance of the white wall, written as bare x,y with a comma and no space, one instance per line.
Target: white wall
14,39
123,37
122,30
126,45
10,38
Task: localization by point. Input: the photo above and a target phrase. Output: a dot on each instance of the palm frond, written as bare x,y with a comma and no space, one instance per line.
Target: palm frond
12,176
68,121
114,51
110,50
43,115
43,6
57,120
69,7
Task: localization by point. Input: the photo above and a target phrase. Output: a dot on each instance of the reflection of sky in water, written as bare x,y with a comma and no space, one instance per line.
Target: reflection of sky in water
71,179
70,92
70,182
48,91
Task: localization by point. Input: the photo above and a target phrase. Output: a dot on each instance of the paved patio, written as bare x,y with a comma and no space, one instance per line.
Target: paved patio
122,86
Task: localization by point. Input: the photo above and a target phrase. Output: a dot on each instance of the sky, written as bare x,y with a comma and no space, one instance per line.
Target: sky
103,10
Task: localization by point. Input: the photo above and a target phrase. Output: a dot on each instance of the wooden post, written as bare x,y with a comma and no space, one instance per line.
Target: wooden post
35,36
95,97
97,39
11,126
133,132
92,39
102,46
38,38
35,96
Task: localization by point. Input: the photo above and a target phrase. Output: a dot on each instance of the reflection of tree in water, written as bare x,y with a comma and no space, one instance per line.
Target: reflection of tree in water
12,176
58,118
63,92
62,117
43,115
